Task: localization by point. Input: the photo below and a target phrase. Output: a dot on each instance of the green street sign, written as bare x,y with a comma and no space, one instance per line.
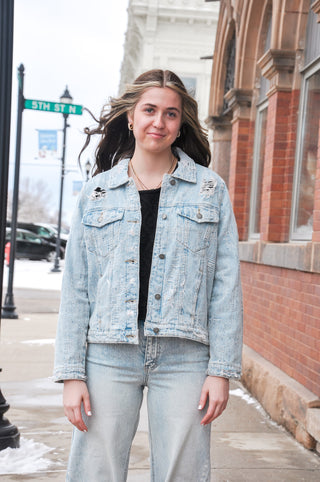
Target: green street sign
57,107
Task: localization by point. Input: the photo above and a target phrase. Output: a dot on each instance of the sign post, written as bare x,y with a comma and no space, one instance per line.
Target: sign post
66,109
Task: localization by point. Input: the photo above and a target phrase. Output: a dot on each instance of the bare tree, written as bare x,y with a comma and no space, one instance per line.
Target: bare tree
34,202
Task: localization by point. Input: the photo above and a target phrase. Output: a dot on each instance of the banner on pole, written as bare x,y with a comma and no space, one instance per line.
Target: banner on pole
48,141
76,187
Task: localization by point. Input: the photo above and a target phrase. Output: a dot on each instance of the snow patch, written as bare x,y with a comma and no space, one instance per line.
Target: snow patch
47,341
34,275
26,459
240,393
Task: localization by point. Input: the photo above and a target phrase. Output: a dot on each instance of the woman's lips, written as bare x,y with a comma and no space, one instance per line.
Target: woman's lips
156,135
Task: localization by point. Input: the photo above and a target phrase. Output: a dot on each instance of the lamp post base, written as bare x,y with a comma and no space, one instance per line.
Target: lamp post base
8,309
9,434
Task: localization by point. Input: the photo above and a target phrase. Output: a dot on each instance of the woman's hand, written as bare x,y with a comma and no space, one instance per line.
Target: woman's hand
217,389
75,393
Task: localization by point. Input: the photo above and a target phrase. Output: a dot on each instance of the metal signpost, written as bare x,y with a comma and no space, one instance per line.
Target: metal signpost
65,108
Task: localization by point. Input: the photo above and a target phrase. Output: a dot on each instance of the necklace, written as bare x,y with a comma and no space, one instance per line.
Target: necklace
171,169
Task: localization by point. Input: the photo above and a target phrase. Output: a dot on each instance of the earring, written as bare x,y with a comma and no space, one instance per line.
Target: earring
130,126
178,135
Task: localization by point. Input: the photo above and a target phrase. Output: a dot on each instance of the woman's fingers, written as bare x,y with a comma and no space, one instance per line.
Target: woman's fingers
217,390
74,394
215,409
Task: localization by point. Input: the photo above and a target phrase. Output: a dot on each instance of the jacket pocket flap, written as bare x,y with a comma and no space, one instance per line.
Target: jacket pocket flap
102,217
201,214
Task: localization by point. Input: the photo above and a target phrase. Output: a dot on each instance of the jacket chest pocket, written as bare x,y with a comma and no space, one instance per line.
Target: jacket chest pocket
197,226
101,230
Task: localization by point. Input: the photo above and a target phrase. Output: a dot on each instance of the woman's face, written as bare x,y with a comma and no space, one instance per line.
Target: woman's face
156,119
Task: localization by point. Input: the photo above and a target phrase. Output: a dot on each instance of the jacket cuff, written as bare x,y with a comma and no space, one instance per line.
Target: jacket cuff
224,370
61,374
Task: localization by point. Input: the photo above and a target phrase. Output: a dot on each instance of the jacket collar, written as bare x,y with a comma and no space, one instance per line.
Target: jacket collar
186,170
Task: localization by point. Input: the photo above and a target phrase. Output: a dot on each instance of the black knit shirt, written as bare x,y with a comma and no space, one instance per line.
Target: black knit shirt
149,201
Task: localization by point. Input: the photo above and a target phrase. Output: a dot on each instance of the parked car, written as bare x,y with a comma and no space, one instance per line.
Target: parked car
31,246
45,231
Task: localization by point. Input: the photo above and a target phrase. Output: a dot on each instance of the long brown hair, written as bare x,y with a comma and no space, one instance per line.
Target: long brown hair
117,141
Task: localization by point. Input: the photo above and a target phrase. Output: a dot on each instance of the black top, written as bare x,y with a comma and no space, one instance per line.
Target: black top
149,201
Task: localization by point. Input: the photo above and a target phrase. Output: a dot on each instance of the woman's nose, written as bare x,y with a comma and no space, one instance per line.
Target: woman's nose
158,121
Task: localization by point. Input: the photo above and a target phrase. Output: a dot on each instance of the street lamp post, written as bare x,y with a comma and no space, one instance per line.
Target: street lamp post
9,309
9,434
65,99
88,169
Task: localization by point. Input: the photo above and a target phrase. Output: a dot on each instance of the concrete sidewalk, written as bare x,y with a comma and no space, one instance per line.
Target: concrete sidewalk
246,444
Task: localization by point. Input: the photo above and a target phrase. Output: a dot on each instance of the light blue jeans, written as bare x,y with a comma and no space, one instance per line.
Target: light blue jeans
174,370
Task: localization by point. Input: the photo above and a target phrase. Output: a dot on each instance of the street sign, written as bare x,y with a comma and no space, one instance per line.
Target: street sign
57,107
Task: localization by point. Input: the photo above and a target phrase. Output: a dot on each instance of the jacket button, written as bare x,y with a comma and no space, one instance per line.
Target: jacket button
157,296
164,216
199,216
172,182
162,256
156,330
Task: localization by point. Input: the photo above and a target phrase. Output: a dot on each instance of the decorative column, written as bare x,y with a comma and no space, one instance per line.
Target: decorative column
278,66
221,145
239,101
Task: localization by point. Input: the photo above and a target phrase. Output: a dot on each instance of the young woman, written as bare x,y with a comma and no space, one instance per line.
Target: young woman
151,294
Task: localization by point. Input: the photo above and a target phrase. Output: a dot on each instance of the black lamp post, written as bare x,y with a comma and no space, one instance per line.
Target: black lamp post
9,434
88,169
65,99
9,309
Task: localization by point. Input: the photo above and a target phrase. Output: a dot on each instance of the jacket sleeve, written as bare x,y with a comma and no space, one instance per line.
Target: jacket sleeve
70,348
225,310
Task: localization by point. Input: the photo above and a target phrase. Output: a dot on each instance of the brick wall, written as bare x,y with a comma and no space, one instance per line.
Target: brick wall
278,166
282,319
240,172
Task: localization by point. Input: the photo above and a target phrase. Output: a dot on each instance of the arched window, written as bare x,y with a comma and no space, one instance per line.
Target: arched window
230,68
259,146
307,136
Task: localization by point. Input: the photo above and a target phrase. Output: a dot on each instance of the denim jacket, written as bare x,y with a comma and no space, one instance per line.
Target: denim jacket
194,286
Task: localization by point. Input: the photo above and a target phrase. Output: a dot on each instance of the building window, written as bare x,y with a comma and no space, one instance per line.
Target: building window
190,84
308,136
230,69
257,169
259,146
306,159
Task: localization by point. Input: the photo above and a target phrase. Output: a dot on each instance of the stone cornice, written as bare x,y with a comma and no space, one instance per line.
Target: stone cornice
316,8
275,61
184,13
218,122
277,65
239,100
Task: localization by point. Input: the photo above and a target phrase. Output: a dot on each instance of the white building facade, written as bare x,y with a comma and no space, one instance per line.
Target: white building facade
172,34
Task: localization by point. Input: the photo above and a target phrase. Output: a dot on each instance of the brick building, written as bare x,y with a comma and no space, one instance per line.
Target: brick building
265,116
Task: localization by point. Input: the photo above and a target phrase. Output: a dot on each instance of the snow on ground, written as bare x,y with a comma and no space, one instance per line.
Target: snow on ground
34,275
41,392
44,341
27,459
238,392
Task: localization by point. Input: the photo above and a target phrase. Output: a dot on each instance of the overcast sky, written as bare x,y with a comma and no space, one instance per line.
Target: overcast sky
64,42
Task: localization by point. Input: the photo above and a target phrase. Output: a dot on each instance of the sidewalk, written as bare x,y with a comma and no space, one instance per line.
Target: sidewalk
246,445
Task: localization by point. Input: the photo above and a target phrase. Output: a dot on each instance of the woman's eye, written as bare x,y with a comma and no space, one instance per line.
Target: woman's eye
149,110
172,114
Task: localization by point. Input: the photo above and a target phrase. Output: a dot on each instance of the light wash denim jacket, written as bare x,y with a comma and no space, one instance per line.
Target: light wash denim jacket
194,287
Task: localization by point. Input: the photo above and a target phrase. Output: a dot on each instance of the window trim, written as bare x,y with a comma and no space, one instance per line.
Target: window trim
307,74
255,167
